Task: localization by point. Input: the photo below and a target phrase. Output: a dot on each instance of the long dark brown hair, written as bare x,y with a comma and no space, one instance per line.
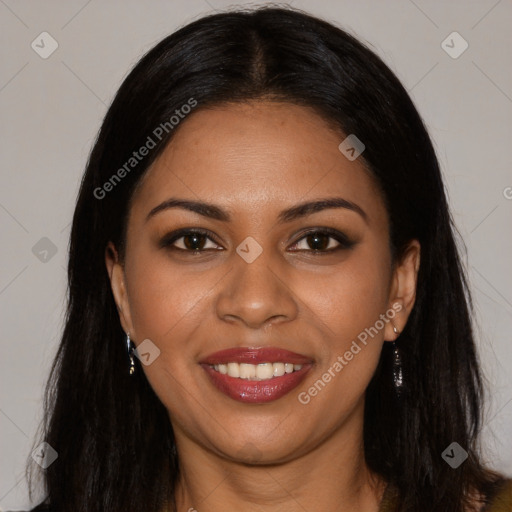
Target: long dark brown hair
115,444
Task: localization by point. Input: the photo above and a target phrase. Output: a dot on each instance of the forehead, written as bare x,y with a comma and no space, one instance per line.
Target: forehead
257,155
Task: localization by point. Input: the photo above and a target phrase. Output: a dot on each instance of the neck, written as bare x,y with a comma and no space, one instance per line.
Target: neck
332,477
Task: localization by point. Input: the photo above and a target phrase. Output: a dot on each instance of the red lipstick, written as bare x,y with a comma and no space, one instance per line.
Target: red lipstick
255,356
250,390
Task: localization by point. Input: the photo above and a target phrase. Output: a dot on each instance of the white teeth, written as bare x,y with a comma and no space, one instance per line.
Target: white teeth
262,371
247,371
265,371
278,369
233,369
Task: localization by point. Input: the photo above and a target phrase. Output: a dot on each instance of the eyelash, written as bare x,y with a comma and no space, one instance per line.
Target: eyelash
343,241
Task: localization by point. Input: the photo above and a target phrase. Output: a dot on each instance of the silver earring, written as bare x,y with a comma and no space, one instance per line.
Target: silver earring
130,353
398,377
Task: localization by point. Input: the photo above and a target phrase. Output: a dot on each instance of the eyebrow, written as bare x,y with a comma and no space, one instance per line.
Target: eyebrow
290,214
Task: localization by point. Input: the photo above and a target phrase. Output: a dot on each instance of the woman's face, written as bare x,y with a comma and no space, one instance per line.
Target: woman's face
316,281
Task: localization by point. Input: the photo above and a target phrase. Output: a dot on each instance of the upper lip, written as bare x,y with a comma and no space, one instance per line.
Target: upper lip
253,355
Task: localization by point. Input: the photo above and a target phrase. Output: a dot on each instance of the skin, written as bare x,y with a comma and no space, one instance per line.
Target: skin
254,160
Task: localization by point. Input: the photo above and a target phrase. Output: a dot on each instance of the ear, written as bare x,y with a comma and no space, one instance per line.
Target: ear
403,289
115,271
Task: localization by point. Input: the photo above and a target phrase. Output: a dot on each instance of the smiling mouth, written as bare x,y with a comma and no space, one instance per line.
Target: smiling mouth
256,375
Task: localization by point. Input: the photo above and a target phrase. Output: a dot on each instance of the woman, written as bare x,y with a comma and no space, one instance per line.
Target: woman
267,310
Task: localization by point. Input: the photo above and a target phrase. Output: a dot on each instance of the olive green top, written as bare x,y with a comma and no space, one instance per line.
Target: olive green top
500,502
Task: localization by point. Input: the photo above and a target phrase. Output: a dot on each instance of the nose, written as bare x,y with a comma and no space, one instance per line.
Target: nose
256,293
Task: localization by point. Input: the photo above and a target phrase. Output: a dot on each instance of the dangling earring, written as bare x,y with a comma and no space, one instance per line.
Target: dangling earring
130,353
398,377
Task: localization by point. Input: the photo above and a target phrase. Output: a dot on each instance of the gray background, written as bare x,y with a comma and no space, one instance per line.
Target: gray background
52,108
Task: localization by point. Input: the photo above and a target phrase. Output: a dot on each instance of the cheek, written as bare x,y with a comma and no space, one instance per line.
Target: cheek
163,298
350,299
348,305
167,307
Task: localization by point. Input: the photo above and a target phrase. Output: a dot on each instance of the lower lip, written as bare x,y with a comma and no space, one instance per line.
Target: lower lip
256,391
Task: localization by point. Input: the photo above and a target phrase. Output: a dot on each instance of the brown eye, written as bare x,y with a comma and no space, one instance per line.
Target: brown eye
194,241
318,241
322,241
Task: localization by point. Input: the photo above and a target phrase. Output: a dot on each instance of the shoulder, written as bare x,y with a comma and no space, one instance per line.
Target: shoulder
501,501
